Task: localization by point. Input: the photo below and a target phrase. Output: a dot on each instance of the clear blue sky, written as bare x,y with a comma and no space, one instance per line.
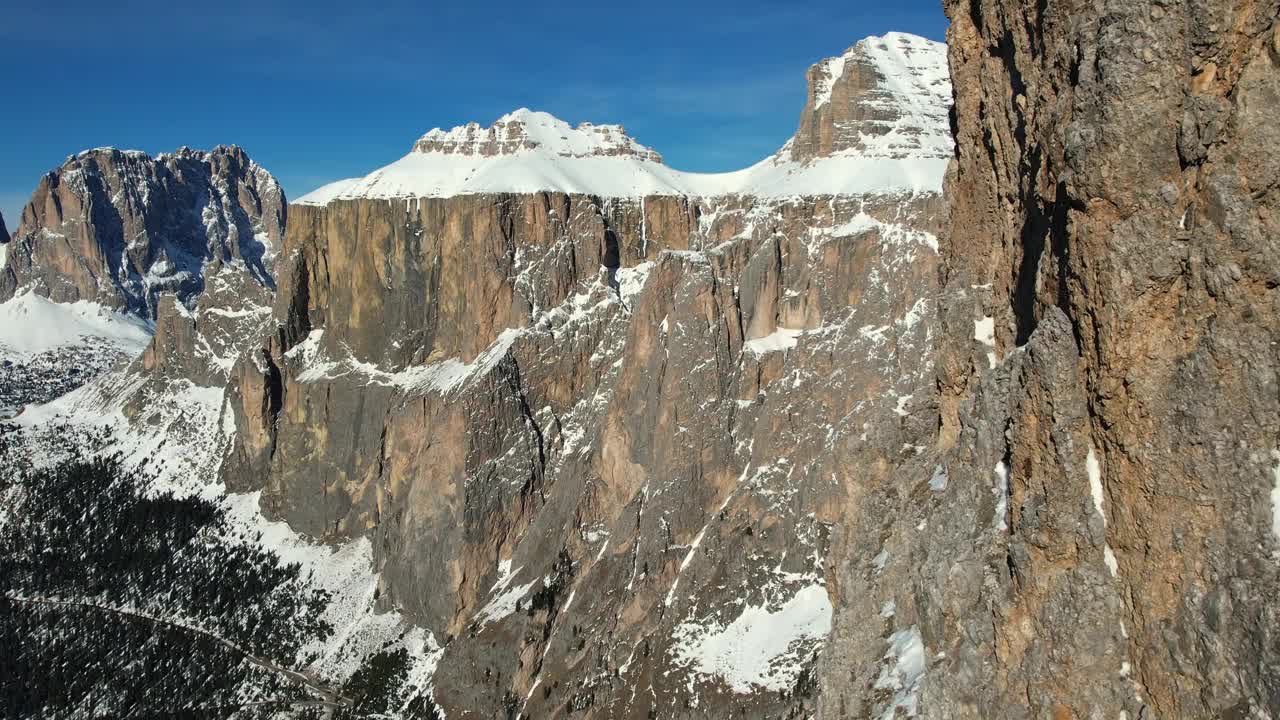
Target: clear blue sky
319,91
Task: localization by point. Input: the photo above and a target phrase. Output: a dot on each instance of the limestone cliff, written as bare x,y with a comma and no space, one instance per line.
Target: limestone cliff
604,445
1107,362
510,422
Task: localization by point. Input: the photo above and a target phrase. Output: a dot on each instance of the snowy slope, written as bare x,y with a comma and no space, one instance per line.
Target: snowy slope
528,151
30,324
179,446
48,348
439,175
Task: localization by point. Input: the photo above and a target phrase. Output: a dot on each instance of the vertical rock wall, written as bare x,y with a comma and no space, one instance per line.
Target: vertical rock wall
1109,345
597,440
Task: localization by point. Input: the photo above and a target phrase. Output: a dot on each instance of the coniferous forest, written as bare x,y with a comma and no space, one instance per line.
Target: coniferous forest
122,602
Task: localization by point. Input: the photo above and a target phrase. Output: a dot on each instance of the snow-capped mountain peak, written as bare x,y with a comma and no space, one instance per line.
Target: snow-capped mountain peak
875,124
525,130
886,96
914,66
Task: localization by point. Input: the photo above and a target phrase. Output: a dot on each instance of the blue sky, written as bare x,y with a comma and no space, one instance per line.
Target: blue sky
321,90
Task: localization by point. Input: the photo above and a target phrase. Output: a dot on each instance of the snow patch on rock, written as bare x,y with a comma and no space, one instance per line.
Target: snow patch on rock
1094,470
903,673
984,331
762,648
1001,491
505,596
776,341
1275,495
832,70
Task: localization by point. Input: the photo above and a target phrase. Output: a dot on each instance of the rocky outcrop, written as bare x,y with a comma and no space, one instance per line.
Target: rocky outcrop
201,344
1107,364
4,234
884,97
524,130
121,228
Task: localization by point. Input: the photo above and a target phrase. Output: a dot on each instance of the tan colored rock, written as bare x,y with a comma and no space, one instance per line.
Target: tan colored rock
1116,236
605,419
1203,81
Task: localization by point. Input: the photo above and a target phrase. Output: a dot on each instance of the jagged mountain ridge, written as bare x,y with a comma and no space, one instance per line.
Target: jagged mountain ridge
120,228
501,349
105,240
657,391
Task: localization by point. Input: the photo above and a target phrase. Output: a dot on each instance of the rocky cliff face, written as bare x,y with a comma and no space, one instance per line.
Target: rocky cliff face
1111,248
621,441
603,445
4,234
120,228
660,432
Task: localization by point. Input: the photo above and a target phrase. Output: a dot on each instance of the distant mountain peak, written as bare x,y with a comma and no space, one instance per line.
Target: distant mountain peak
155,224
886,96
875,123
525,130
